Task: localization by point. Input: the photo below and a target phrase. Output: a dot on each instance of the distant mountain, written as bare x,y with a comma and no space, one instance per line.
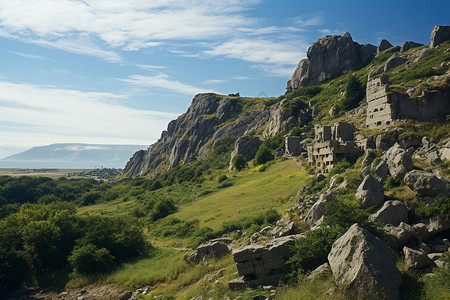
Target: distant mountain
72,156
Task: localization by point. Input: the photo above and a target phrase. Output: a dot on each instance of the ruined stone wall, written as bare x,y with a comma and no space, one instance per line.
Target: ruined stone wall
379,110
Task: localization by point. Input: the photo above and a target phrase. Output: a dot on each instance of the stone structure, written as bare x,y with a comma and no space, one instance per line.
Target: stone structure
331,144
292,145
262,265
208,250
384,107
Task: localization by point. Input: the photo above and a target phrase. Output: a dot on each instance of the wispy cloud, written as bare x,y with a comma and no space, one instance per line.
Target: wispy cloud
27,55
214,81
150,67
330,31
163,81
36,115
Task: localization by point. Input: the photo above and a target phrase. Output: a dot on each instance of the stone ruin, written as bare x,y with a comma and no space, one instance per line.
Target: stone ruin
331,144
384,106
262,265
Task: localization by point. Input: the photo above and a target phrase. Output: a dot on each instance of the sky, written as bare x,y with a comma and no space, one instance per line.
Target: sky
117,71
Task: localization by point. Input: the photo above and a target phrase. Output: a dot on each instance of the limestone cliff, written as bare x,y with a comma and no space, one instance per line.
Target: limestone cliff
209,119
328,58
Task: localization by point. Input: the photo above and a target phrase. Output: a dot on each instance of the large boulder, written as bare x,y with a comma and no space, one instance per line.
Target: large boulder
328,58
436,224
316,213
392,212
384,45
397,236
426,184
398,160
409,45
440,34
208,250
370,192
365,264
415,259
394,61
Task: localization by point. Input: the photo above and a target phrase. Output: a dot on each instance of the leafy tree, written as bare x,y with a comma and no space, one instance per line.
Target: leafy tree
354,93
239,162
263,155
91,260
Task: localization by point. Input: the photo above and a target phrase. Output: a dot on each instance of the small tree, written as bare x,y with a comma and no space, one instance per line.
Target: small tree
354,93
91,260
263,155
239,162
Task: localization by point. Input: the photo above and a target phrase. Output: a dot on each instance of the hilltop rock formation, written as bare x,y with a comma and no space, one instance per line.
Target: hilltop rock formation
440,34
328,58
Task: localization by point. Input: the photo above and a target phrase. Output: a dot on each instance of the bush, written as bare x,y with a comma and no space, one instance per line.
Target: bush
354,93
239,162
263,155
222,178
89,259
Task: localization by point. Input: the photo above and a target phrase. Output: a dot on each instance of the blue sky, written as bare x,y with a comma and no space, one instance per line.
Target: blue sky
117,71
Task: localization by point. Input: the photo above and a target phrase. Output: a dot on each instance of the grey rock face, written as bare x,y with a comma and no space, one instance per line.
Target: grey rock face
320,270
263,265
392,212
409,45
370,192
283,229
415,259
440,34
426,184
436,224
397,236
398,160
208,250
246,146
328,58
366,264
394,61
384,45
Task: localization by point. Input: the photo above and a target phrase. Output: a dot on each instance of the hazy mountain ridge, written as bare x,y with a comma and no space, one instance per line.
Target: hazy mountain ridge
72,155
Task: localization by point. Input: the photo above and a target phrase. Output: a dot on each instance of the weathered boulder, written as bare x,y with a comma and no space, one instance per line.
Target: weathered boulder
328,58
397,236
386,140
398,160
246,146
409,45
426,184
381,171
444,152
317,212
263,265
436,224
283,229
394,61
365,264
321,270
440,34
209,249
384,45
370,192
392,212
415,259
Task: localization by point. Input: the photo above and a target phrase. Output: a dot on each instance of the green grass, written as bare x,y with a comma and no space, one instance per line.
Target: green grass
251,192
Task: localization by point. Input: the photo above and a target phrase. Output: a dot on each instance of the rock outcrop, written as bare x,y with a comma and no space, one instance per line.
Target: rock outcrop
409,45
370,192
365,264
208,250
440,34
398,160
328,58
384,45
426,184
246,146
392,212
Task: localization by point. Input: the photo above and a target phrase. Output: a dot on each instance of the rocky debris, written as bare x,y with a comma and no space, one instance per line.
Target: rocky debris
283,229
411,140
440,34
365,264
426,184
384,45
394,61
92,292
209,249
436,224
328,58
415,259
392,212
421,54
262,265
398,160
246,146
321,270
421,231
397,236
409,45
444,152
386,140
317,212
370,192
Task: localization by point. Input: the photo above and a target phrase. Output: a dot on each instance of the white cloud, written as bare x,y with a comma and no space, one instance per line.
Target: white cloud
330,32
163,82
27,55
33,115
214,81
150,67
311,21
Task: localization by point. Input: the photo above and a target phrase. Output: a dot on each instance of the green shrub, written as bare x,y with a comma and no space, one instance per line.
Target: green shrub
354,93
391,182
89,259
225,184
222,178
263,155
239,162
440,206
